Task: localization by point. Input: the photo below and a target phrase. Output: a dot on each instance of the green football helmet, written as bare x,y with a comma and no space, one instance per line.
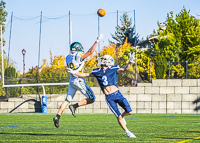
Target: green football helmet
76,47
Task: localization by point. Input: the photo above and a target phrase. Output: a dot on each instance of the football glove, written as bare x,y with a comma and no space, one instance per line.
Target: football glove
131,57
101,36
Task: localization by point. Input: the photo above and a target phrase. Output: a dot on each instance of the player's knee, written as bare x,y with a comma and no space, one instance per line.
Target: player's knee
68,99
130,112
119,117
89,101
92,99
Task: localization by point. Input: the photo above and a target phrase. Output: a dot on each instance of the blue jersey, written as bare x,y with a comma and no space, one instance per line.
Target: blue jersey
107,77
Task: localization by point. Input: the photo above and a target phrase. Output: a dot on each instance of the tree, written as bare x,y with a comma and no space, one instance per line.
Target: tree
126,31
180,41
194,69
53,72
160,66
11,74
3,14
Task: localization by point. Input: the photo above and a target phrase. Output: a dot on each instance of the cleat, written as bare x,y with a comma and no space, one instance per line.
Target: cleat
124,120
71,107
56,122
130,135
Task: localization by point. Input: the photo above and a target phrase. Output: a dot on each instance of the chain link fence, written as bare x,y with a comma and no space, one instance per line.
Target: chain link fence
50,89
174,70
157,70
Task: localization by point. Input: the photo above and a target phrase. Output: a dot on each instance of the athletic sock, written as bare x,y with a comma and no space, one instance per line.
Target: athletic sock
127,131
58,116
75,105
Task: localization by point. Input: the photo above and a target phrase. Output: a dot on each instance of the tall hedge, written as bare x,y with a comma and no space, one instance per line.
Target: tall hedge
160,66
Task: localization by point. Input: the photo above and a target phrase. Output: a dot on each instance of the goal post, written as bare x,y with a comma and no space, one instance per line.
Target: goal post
23,85
19,85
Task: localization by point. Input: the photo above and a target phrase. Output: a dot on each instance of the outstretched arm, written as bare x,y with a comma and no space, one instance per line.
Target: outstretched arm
76,73
84,74
127,66
92,49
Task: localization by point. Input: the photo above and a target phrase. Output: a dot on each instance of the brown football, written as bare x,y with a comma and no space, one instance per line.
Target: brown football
101,12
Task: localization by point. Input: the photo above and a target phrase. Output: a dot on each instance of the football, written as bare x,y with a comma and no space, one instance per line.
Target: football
101,12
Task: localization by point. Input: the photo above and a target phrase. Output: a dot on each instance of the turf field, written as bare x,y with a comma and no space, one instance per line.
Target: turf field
152,128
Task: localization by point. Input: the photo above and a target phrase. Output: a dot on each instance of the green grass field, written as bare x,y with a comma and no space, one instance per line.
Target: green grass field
153,128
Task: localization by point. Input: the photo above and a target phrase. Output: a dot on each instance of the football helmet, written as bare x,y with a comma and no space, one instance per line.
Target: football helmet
76,47
106,60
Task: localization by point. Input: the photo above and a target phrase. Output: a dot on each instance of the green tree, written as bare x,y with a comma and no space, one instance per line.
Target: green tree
11,74
180,40
53,72
126,31
3,14
160,66
194,69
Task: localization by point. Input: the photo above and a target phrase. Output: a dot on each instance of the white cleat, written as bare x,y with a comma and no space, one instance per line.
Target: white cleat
130,135
124,120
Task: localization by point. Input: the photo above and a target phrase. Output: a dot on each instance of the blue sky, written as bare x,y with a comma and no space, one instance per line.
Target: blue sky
55,23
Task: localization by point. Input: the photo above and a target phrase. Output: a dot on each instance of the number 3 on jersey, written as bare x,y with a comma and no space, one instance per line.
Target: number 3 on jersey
105,80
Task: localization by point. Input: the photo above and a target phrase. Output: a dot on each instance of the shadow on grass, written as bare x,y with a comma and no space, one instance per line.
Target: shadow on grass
37,105
184,131
35,134
191,132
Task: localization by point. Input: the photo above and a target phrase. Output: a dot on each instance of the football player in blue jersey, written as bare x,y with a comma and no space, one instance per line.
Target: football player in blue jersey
75,61
107,79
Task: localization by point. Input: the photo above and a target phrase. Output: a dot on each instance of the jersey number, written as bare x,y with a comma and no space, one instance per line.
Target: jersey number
71,65
105,80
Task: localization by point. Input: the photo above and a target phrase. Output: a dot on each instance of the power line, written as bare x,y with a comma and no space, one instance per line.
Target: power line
125,11
64,16
26,18
7,23
83,14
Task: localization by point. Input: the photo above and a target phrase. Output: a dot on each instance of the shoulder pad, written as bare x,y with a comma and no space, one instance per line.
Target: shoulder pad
68,57
96,69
